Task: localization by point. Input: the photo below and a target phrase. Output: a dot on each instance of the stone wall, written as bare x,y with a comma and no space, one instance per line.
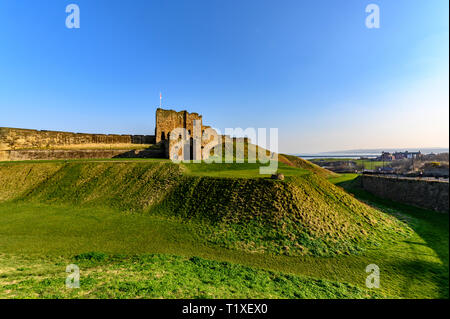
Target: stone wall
16,139
69,145
4,155
22,155
432,195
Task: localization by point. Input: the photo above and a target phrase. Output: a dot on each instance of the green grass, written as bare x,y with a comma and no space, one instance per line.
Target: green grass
161,276
127,211
238,170
303,215
301,163
33,236
432,226
342,178
431,232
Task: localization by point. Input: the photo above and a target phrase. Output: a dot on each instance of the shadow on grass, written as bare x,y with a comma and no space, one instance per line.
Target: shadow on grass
431,226
420,272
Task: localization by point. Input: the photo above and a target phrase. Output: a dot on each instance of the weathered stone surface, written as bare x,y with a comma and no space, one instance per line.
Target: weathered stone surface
15,139
168,120
4,155
427,194
22,155
191,130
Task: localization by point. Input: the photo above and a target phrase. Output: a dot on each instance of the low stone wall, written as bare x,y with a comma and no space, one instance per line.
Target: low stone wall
23,155
432,195
4,156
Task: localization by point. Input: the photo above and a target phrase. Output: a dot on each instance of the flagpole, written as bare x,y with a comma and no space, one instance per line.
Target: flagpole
160,99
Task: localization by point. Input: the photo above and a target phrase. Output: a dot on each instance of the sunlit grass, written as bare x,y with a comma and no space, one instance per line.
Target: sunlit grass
51,212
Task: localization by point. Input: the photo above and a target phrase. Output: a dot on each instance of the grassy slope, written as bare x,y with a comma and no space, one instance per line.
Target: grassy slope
427,252
301,163
162,276
410,268
303,215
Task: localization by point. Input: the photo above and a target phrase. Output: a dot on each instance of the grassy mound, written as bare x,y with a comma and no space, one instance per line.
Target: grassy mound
305,214
127,186
17,179
162,276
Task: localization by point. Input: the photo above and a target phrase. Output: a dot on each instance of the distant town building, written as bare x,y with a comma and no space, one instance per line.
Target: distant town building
407,155
386,157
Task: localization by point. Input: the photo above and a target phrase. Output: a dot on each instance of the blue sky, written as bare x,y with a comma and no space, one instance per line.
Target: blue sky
310,68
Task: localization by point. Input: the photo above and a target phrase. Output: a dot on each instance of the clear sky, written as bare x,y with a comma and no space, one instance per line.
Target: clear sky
310,68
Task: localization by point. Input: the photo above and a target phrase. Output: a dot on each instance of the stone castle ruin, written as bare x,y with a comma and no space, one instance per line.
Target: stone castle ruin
27,144
187,126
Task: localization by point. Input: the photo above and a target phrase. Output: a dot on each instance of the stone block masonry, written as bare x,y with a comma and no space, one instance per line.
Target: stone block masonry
20,139
426,194
23,155
168,120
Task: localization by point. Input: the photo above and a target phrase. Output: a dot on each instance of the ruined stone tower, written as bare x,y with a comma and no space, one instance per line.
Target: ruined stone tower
169,120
